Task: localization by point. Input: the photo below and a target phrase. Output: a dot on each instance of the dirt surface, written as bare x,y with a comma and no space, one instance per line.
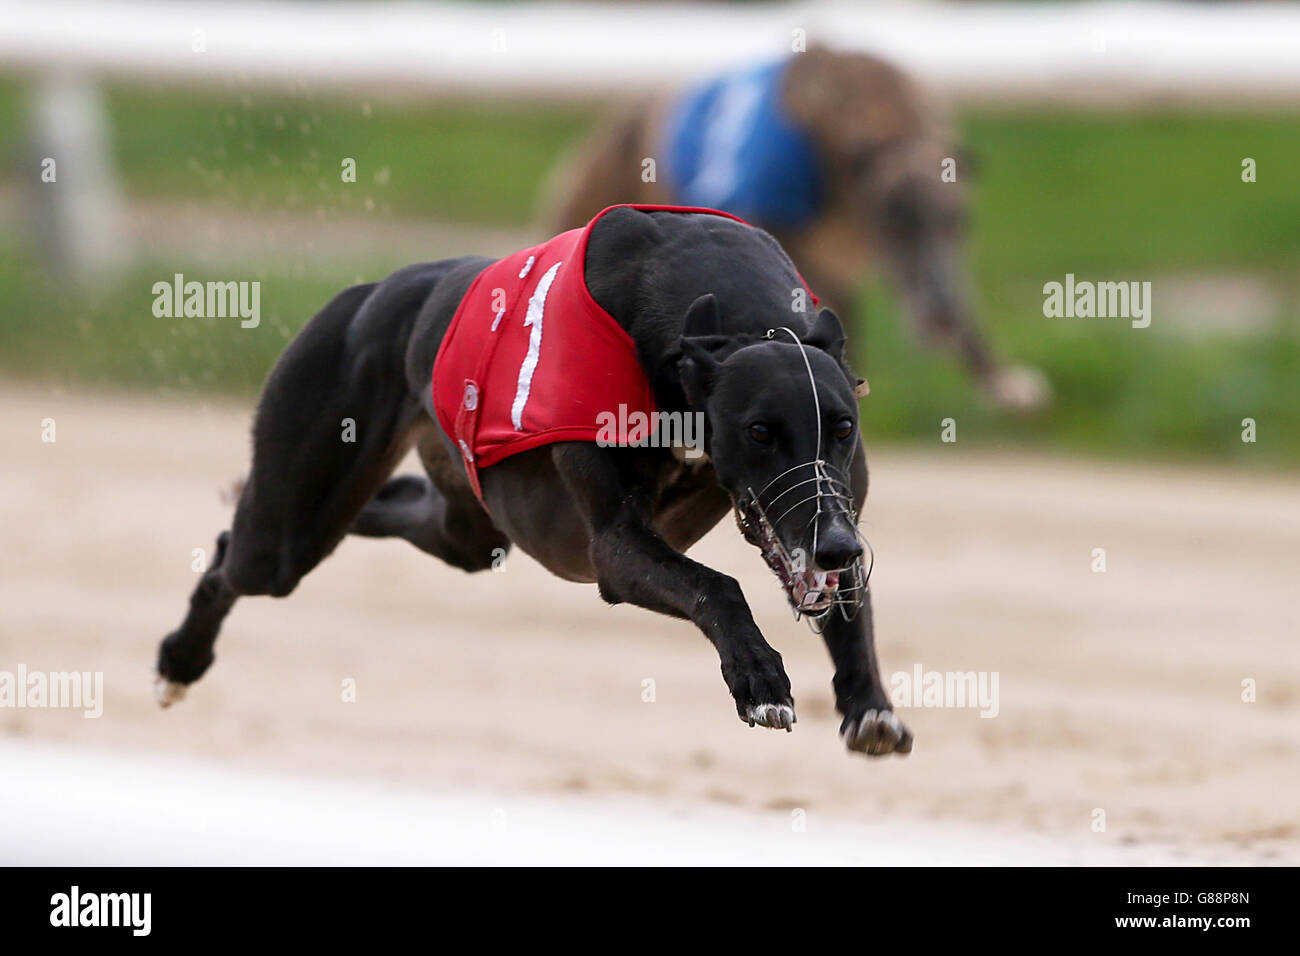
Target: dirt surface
1118,691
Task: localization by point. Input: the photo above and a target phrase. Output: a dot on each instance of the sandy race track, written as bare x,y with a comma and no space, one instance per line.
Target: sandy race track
1118,692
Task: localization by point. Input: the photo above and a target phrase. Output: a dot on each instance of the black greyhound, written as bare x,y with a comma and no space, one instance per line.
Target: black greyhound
707,302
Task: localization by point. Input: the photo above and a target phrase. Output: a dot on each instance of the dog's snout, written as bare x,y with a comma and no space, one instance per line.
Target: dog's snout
837,549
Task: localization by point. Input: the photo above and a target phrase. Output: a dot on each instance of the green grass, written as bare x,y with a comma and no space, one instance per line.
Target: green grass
1133,193
1133,196
1119,390
112,337
479,162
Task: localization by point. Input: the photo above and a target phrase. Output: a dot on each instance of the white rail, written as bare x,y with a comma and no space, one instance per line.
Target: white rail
1059,52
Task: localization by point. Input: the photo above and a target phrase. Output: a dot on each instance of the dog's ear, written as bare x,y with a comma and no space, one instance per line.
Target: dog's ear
702,318
827,334
698,366
697,370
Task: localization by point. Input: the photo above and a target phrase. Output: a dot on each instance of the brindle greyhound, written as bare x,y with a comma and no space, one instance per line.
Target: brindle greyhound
879,149
707,302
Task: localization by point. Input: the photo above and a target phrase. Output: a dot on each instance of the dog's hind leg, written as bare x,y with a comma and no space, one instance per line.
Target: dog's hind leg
438,514
191,644
335,418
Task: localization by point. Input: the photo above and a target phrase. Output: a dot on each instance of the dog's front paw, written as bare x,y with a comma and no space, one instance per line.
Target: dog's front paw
761,689
876,733
776,716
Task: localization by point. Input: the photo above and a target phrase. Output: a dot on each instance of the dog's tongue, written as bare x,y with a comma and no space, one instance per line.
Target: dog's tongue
811,587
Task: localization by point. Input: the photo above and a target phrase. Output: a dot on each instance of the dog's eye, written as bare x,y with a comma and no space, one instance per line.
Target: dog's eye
843,428
760,433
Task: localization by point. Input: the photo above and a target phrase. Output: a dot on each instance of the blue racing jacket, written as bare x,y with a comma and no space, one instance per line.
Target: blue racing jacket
728,144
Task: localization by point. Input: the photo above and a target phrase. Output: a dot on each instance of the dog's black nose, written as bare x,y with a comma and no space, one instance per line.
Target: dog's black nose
837,550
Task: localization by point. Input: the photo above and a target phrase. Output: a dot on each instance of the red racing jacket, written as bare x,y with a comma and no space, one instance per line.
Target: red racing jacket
530,358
